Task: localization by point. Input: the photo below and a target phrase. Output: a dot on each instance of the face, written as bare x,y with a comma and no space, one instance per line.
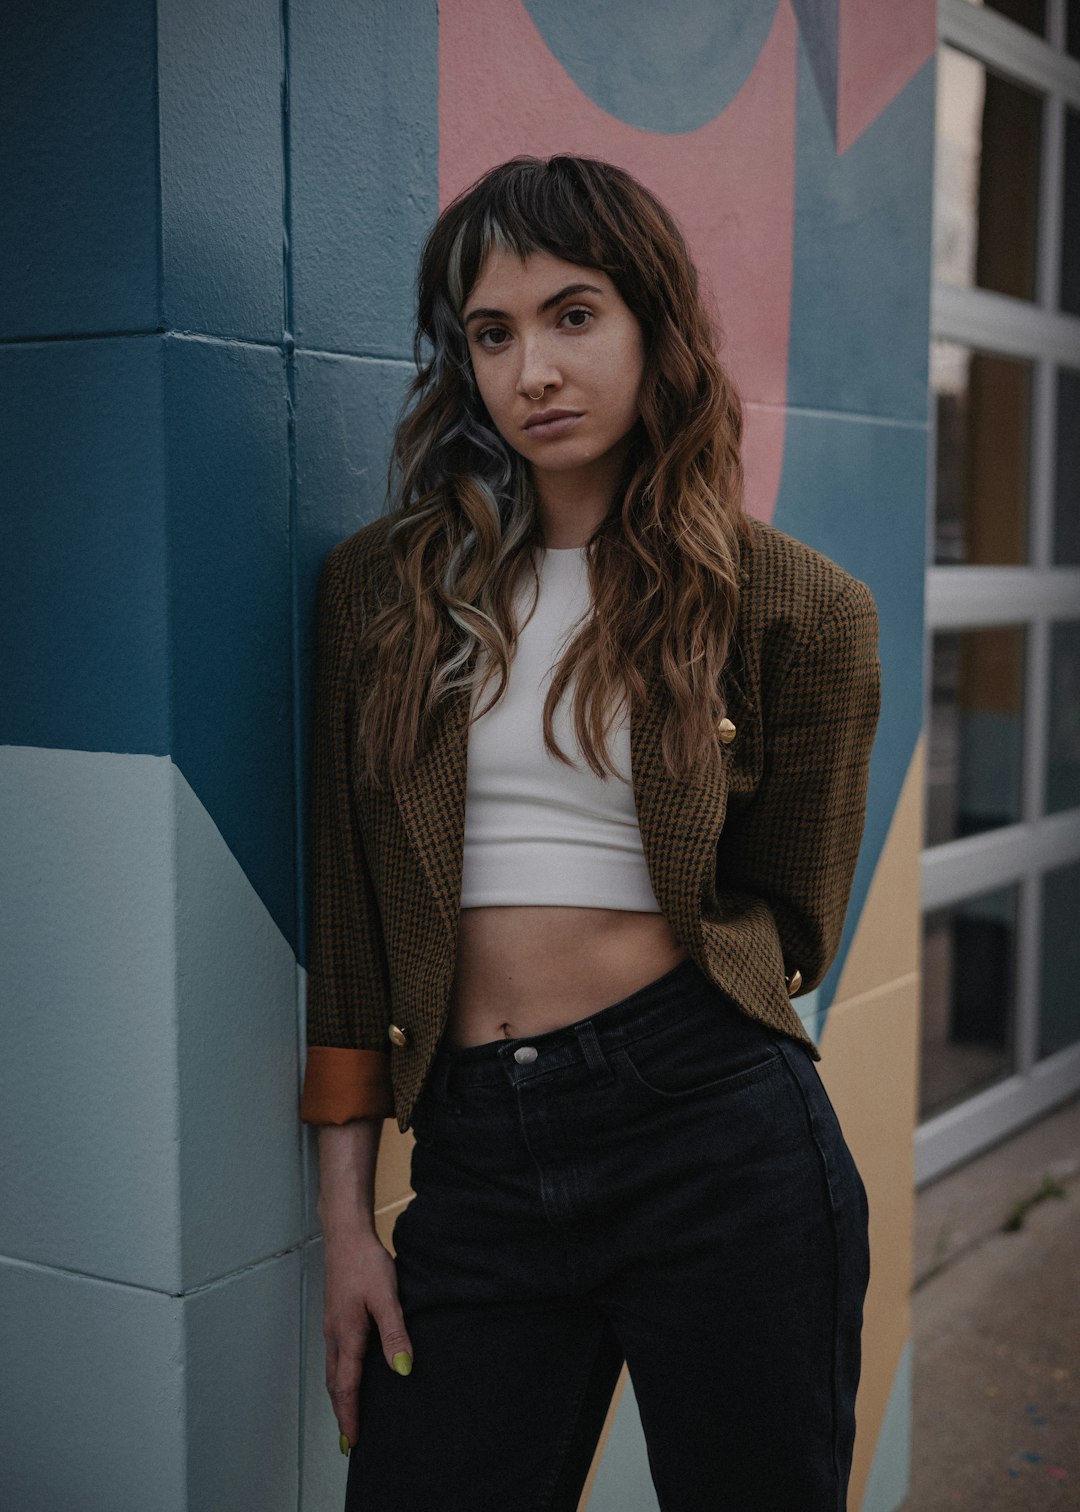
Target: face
558,358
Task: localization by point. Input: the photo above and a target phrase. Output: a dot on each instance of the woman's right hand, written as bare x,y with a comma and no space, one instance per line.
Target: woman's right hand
360,1290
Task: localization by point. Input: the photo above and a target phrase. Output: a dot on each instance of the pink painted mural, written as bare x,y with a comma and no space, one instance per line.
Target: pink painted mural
730,182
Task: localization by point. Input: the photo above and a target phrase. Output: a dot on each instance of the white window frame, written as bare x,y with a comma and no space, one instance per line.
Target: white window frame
1032,596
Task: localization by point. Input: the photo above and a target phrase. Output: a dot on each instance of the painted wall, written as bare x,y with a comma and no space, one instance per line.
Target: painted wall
214,211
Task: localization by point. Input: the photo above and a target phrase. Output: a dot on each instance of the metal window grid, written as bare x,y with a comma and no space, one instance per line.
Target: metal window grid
1033,596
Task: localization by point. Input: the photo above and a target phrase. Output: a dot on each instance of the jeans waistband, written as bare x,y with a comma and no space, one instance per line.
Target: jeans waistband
679,993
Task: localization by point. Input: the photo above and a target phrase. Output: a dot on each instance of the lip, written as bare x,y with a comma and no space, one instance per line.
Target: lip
552,422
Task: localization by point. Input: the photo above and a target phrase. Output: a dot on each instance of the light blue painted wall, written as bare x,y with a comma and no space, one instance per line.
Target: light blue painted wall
888,1483
92,1394
623,1482
89,1113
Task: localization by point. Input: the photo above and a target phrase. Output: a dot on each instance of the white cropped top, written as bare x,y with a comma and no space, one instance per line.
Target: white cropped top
536,830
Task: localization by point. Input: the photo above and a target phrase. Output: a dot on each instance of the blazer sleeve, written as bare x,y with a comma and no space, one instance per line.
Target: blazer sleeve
797,842
347,1071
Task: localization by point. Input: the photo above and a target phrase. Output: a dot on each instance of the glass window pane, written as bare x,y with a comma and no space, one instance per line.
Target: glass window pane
1059,1021
1067,470
1063,745
986,178
1069,298
976,731
1031,14
983,456
968,998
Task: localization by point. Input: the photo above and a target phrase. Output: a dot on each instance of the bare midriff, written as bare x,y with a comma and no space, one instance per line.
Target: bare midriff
524,970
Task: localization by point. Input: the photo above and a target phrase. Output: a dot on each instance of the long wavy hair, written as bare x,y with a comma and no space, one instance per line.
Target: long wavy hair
463,521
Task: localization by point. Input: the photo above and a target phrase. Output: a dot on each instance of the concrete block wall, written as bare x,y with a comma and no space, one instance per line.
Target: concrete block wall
214,211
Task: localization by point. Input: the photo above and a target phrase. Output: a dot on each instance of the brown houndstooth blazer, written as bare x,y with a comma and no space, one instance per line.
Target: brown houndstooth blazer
751,860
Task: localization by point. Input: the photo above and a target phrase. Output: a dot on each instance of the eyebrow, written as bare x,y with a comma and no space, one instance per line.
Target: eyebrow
576,288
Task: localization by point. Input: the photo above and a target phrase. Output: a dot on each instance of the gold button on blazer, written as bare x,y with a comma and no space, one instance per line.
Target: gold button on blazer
751,859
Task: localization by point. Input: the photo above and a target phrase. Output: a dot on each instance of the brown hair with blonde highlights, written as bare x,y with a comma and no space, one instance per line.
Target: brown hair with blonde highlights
463,526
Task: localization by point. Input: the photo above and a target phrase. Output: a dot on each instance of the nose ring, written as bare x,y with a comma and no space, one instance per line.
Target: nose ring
540,395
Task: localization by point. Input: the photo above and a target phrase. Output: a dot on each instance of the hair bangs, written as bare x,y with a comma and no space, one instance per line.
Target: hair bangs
545,206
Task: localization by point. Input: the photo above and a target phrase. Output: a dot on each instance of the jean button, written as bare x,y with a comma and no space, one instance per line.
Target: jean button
526,1055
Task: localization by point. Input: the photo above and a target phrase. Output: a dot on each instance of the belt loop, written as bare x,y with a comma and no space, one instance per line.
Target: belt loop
589,1041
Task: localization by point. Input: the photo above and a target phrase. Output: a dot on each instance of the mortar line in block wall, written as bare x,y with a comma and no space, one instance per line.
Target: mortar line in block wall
824,412
30,339
96,1279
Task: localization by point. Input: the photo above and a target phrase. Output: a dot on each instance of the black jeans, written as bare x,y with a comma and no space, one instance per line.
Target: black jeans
663,1182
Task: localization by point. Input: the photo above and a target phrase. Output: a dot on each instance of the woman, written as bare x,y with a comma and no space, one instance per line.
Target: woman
589,779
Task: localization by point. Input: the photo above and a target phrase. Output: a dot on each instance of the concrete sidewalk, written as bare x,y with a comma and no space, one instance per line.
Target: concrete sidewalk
997,1329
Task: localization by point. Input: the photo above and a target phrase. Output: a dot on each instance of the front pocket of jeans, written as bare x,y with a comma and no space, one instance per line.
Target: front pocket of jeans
672,1065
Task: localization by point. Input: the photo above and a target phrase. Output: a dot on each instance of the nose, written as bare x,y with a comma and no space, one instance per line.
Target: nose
538,372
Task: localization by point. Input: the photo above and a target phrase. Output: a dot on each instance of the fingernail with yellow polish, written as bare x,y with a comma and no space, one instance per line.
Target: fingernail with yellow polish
343,1444
402,1362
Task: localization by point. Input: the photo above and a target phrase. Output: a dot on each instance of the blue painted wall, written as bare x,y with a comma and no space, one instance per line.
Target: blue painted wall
213,213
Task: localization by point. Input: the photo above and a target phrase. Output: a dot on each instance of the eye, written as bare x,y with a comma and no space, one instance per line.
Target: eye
578,318
498,335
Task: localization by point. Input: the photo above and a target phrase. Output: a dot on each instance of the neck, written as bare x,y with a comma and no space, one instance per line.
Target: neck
572,504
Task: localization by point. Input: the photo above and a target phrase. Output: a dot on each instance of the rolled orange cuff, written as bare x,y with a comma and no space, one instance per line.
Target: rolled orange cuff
340,1085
